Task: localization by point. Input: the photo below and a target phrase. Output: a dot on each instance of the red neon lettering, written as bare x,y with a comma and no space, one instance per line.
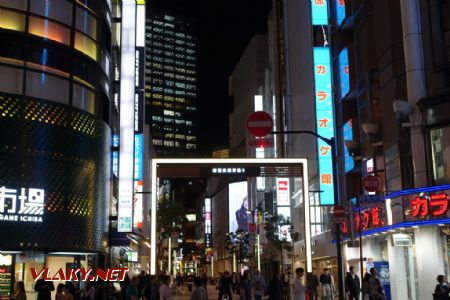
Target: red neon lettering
366,219
441,202
419,207
376,216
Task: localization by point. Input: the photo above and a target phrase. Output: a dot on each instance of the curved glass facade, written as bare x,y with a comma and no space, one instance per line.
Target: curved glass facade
57,50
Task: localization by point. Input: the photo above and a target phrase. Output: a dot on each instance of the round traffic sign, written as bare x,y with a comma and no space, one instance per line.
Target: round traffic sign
372,182
339,211
259,123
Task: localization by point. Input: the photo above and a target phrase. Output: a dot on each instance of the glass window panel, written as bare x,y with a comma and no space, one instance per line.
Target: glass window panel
60,10
11,80
49,29
83,98
46,86
17,4
12,20
86,45
86,23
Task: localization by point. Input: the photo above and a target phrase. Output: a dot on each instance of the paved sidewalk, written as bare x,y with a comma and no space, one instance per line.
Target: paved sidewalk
212,294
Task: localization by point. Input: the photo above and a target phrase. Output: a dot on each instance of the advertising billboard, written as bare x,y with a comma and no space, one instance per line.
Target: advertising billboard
238,206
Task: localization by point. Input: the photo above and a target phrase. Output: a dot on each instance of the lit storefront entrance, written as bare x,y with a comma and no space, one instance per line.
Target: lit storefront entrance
408,244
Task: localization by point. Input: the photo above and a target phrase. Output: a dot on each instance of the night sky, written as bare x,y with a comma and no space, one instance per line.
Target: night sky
225,28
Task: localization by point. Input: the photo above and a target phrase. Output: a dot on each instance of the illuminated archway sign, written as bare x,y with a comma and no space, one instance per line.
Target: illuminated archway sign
252,167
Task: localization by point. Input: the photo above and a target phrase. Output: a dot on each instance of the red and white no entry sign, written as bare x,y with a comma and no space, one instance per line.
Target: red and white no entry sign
259,123
372,182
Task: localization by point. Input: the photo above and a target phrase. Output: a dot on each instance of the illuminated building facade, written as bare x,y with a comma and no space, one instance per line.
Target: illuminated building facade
55,149
171,83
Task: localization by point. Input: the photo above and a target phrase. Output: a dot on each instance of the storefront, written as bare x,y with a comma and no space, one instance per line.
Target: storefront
406,238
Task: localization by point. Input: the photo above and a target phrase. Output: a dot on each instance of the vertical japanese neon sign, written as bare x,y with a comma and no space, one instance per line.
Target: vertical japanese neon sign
323,98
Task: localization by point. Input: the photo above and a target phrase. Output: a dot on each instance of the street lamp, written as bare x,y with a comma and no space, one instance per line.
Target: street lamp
332,143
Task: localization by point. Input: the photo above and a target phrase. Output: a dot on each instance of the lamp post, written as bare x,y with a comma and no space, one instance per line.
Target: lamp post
332,143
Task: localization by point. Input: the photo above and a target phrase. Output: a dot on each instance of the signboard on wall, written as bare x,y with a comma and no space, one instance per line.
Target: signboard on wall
238,206
283,192
21,205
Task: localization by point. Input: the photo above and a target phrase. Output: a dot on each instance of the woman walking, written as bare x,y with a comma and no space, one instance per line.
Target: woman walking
366,290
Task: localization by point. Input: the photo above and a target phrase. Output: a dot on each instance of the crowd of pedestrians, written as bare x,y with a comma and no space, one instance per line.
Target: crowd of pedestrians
242,287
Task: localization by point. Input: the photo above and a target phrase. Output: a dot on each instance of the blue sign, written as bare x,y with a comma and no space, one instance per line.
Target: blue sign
115,163
115,142
138,157
348,136
382,268
324,121
344,74
340,11
319,12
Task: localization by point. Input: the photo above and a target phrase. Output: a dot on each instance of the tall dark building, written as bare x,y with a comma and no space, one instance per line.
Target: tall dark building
171,83
55,136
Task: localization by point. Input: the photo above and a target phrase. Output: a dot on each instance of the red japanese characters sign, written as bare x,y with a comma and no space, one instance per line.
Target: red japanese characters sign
429,205
369,218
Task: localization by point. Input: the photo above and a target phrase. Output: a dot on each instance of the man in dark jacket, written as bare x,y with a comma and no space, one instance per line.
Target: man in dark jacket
352,284
44,289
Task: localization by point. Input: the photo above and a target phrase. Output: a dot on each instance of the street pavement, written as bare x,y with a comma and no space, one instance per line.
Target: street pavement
184,294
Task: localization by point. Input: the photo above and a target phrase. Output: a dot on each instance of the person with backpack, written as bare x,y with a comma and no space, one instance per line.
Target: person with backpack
258,285
442,290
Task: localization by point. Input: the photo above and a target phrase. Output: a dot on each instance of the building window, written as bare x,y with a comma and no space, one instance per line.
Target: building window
11,79
85,45
12,20
53,9
50,30
44,86
440,148
83,98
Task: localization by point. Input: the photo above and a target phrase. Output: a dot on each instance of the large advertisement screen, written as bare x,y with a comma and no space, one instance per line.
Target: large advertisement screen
238,206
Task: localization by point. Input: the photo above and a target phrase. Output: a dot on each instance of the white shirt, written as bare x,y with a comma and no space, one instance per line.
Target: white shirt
298,290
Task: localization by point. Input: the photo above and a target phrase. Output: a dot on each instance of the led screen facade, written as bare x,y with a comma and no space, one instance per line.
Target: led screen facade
238,206
54,176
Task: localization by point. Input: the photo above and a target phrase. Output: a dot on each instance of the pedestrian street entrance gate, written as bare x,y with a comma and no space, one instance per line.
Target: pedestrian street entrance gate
208,168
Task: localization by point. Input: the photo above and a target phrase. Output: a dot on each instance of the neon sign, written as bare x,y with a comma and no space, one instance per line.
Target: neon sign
432,205
27,207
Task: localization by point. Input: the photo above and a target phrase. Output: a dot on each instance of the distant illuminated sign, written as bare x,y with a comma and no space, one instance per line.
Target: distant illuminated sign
319,10
429,205
283,193
340,11
348,136
137,204
191,217
139,157
344,72
325,121
20,206
284,231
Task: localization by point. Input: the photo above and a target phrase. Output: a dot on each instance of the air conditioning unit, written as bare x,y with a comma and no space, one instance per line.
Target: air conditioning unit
402,240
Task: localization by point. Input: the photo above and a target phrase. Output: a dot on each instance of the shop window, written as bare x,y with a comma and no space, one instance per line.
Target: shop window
86,45
46,86
60,10
11,80
12,20
83,98
86,23
440,146
6,279
49,29
22,271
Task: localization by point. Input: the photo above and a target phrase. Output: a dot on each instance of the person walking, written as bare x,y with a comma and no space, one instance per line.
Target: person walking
352,284
44,289
258,285
298,289
150,291
376,287
442,290
245,287
190,282
142,283
89,291
327,284
200,292
165,291
225,285
276,287
313,284
366,291
132,290
19,291
60,292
